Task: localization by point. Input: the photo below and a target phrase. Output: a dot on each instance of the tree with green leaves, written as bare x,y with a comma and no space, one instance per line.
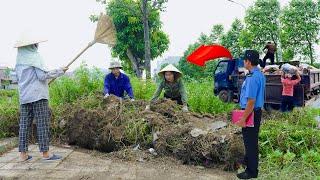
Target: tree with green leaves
128,18
7,72
216,33
301,26
187,68
245,39
231,39
262,25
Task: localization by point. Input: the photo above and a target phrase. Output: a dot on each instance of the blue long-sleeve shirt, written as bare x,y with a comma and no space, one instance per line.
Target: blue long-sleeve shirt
117,86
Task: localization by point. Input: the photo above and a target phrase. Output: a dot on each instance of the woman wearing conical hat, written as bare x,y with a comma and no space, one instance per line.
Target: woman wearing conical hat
32,79
172,85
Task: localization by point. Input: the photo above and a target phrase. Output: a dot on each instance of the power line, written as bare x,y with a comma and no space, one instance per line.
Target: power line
245,8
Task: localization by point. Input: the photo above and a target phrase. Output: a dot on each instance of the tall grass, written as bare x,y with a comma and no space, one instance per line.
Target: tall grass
285,166
142,89
84,82
9,109
202,98
89,81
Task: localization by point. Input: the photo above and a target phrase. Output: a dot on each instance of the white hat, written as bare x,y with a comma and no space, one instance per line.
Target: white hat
170,68
115,64
28,38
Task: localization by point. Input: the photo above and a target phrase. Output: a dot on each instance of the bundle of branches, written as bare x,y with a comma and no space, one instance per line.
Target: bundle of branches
111,124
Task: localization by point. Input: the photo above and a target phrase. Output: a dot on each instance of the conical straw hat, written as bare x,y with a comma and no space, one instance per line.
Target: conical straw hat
28,38
170,68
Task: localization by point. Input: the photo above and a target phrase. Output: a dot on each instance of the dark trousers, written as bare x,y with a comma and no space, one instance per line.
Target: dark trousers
40,112
177,99
250,139
287,103
268,56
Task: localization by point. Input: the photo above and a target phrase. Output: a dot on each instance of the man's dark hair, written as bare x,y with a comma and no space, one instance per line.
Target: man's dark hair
252,56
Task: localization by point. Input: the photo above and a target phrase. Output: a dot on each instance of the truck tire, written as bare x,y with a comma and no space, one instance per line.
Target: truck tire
224,96
276,107
267,107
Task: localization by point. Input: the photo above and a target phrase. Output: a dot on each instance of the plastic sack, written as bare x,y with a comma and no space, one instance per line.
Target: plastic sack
289,69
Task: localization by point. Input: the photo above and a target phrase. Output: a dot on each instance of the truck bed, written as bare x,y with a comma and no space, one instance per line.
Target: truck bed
306,90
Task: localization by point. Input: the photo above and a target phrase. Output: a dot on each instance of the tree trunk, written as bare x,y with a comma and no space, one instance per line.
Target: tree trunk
279,44
310,48
278,53
135,63
147,47
310,52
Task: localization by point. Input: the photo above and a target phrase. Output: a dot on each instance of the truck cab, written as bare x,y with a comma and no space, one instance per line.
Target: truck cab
225,76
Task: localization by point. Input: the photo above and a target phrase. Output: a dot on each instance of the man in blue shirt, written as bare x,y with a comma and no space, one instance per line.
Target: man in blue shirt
116,82
251,100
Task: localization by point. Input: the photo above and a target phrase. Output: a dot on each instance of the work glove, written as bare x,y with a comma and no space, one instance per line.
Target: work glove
147,108
132,100
185,109
105,96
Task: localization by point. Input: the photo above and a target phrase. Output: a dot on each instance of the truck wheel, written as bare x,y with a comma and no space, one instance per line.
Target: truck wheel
224,96
267,107
275,106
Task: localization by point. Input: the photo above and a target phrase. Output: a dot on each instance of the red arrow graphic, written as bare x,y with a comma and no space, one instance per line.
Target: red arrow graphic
206,53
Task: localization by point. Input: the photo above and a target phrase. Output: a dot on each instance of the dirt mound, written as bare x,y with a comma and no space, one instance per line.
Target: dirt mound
112,124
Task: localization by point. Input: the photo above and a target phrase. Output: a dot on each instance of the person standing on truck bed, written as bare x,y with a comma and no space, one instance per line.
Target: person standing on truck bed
251,100
288,84
271,47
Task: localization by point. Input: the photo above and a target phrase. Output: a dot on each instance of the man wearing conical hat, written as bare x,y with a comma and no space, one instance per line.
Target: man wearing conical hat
116,82
32,79
172,85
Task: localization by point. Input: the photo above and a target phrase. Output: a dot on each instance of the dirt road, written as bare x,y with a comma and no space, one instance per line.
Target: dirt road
85,165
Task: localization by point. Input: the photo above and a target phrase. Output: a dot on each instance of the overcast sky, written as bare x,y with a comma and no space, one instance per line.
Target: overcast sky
66,25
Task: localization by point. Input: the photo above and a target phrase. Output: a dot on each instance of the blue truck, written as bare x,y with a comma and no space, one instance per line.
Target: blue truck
229,76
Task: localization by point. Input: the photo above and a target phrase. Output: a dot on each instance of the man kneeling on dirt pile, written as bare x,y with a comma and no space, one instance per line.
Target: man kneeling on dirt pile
116,82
